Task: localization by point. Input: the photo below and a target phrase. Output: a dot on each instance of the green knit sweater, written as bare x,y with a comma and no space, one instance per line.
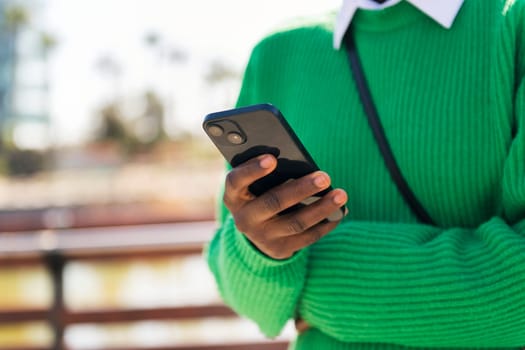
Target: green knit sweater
453,106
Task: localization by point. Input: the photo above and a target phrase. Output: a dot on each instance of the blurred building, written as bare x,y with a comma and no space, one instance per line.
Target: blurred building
24,83
6,65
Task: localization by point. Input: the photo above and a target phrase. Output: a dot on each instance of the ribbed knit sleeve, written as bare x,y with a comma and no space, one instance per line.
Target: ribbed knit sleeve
422,286
254,285
419,286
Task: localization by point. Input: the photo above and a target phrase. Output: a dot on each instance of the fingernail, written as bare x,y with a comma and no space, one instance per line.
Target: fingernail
321,181
339,198
266,162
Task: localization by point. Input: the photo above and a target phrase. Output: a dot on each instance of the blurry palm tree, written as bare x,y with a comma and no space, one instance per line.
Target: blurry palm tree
16,16
164,52
133,133
149,126
112,69
48,42
219,72
223,74
167,57
112,126
152,39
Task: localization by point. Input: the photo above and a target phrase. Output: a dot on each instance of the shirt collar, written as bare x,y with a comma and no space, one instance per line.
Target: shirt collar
443,11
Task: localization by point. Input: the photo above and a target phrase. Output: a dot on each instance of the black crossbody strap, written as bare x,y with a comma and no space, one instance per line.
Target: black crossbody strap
379,132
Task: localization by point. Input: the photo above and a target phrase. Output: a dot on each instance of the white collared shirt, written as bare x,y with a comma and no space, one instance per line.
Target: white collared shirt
442,11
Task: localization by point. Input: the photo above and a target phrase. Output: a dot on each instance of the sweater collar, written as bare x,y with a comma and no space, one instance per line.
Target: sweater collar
444,12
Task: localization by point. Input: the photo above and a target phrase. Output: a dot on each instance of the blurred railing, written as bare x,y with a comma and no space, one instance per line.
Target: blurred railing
55,248
81,216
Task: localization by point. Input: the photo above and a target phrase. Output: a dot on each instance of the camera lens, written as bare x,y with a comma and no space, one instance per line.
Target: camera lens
215,130
235,138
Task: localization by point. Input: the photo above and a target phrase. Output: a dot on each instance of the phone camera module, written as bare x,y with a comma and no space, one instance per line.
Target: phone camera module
215,130
235,138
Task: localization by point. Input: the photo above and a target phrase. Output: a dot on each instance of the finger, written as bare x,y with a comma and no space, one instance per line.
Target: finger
240,177
288,194
285,247
310,229
301,325
301,220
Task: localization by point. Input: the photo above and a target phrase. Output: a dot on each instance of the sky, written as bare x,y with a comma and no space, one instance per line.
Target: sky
203,30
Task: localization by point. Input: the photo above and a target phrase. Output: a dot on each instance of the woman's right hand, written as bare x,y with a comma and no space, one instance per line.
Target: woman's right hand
280,236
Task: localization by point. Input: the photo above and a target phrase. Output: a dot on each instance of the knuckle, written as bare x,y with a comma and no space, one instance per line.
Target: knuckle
279,252
295,226
300,188
272,202
241,223
280,256
231,179
315,235
226,199
274,248
264,237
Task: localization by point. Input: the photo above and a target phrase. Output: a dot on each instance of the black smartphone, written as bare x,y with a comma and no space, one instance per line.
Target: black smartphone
243,133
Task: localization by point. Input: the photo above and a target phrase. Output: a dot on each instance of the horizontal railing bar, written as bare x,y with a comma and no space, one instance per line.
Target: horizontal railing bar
19,260
119,315
268,345
133,253
107,237
147,241
96,216
132,315
23,315
27,348
12,260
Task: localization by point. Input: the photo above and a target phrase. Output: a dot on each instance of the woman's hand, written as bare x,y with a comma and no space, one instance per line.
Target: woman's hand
280,236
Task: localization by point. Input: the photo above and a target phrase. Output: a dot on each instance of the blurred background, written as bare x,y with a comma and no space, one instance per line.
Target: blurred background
107,183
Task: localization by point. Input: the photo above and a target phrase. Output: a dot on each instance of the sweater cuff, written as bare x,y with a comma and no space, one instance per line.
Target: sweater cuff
256,286
259,263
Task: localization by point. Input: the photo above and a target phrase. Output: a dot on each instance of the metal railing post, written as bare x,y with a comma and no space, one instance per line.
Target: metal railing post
55,263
